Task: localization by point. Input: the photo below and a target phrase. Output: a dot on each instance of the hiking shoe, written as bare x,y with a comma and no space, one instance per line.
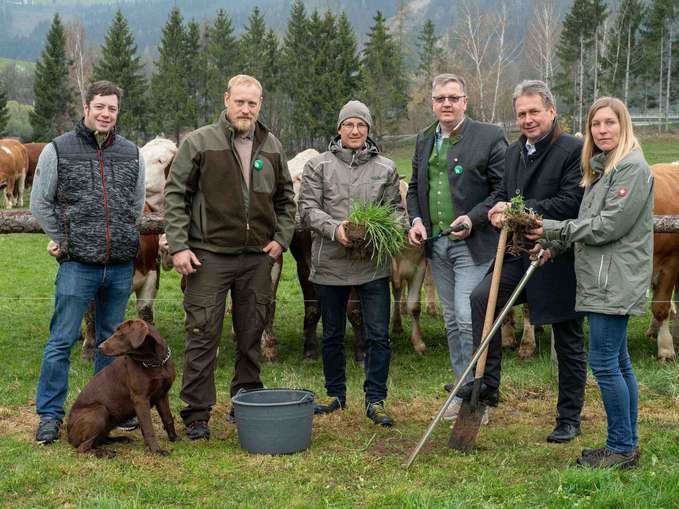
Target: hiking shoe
376,413
48,430
129,425
563,432
453,409
198,430
588,452
487,395
332,406
604,458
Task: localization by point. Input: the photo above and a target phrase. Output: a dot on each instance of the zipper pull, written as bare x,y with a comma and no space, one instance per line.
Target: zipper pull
247,226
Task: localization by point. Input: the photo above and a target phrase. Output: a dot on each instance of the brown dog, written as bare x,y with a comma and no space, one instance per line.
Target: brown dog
139,379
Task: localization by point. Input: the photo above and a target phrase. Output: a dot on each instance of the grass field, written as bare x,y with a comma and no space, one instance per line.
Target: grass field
351,463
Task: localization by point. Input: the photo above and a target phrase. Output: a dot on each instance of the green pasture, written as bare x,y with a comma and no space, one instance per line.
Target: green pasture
351,463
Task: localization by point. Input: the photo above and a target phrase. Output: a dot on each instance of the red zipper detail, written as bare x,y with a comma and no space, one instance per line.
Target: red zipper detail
106,215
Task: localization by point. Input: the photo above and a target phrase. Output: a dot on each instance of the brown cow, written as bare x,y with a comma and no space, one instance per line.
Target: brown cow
13,169
33,150
665,261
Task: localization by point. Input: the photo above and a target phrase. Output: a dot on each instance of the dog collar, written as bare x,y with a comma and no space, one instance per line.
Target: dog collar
158,364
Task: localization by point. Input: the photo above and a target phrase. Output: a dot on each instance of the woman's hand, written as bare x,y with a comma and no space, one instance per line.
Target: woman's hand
536,233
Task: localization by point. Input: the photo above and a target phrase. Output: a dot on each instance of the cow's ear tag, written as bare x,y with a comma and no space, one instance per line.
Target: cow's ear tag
258,164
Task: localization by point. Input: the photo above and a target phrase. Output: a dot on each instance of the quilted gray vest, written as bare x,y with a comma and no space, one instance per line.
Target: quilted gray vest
95,197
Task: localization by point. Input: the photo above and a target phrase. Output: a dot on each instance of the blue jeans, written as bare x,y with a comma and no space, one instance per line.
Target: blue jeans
375,304
612,368
456,275
76,285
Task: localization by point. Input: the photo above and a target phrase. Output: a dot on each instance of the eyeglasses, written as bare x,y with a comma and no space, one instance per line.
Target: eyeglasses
453,99
348,126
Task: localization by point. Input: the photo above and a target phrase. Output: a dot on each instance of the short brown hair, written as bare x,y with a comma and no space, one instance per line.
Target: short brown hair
102,88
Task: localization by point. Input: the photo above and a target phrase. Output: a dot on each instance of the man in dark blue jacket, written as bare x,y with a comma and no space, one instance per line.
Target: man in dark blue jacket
457,164
88,195
543,166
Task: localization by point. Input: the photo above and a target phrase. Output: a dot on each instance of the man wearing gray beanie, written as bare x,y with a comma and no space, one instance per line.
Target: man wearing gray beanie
351,170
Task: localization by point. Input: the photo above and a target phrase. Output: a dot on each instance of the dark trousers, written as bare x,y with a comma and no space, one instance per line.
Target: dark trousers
568,342
375,303
248,276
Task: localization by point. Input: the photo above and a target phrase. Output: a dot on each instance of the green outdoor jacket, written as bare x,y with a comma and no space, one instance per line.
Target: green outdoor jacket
207,203
613,236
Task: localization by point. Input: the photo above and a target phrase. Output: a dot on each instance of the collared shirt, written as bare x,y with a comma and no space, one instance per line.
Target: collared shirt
243,144
439,135
532,148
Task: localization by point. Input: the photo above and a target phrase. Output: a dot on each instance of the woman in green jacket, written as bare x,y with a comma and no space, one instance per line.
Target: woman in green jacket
613,237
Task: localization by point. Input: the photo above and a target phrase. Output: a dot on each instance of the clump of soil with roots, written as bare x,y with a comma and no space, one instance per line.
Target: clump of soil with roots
520,220
374,232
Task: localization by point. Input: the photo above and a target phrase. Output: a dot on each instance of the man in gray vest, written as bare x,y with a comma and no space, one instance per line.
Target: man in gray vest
88,195
457,165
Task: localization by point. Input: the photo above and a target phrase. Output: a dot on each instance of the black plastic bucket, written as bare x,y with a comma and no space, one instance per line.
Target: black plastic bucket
274,421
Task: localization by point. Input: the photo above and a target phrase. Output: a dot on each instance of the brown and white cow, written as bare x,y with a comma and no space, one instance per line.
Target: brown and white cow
13,169
665,262
158,155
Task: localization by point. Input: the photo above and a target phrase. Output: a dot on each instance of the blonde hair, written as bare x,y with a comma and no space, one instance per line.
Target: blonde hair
243,79
626,143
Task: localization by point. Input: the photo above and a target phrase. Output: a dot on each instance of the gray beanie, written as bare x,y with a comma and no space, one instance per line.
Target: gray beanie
355,109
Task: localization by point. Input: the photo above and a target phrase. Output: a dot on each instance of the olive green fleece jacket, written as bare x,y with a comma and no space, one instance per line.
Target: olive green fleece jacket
209,206
613,237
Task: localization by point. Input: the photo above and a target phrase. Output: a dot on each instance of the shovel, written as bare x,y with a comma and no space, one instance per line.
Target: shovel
502,243
468,423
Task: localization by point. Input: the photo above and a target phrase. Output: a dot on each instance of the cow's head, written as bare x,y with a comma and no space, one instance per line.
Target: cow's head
158,155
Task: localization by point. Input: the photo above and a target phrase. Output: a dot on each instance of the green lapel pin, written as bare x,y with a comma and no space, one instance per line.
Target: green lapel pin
459,170
258,164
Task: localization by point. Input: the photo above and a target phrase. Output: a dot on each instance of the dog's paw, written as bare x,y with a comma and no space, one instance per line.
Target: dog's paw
104,453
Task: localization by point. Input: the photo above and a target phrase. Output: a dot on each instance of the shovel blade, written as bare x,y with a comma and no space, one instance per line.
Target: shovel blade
466,427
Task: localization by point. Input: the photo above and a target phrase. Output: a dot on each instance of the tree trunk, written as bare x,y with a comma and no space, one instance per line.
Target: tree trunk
627,63
582,82
22,221
662,41
669,75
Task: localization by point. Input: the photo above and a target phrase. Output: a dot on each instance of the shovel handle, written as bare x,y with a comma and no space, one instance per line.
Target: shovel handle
492,299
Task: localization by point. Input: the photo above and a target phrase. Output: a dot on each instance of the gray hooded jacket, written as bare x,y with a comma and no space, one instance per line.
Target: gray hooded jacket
331,182
613,236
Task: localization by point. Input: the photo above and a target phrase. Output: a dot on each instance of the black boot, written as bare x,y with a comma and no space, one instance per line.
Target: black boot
332,406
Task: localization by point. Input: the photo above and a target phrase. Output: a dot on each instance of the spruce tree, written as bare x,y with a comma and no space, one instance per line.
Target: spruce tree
169,84
348,64
428,52
384,79
223,60
298,51
53,108
196,75
252,46
120,64
4,110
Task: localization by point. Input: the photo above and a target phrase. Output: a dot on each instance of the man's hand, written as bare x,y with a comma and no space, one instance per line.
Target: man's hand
464,233
536,233
417,234
496,215
273,249
341,236
546,255
53,248
185,261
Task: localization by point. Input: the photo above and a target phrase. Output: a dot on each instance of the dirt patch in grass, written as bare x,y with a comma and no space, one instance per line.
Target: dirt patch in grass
18,421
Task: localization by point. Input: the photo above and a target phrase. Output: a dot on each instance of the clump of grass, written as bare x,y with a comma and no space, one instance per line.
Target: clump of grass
519,220
374,229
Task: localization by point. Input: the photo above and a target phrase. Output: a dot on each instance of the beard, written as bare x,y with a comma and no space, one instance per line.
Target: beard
243,125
